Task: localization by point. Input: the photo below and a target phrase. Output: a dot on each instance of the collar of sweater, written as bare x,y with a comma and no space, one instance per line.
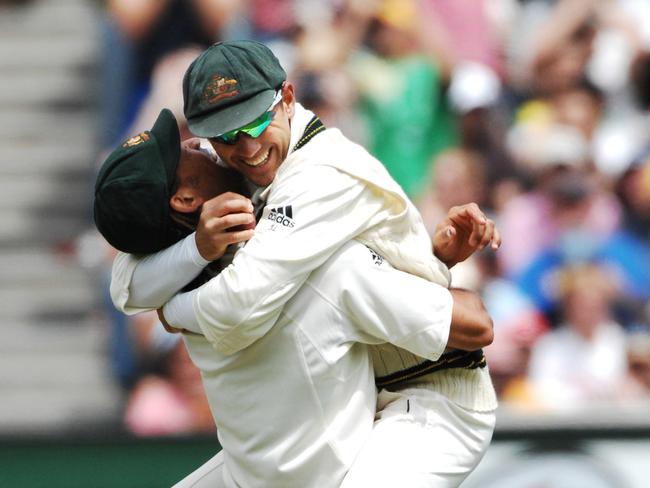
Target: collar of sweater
299,121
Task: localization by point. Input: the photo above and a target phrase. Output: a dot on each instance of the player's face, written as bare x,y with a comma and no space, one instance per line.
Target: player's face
199,178
258,158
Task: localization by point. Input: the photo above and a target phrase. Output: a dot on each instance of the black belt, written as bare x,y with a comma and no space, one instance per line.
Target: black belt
449,360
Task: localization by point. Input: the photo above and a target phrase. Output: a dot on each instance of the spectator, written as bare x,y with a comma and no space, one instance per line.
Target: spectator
584,225
565,197
547,144
401,84
583,360
563,46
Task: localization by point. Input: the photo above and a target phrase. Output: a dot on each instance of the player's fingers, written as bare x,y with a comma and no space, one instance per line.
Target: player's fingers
239,236
478,229
238,205
458,214
213,227
473,212
231,195
466,217
235,219
449,232
227,203
444,232
496,240
488,234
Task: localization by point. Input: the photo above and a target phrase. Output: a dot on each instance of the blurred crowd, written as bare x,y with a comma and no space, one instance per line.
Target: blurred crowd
538,110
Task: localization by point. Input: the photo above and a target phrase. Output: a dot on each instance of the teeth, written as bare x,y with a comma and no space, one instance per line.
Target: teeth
259,161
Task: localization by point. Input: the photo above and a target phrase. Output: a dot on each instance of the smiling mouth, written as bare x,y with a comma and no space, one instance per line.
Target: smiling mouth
259,161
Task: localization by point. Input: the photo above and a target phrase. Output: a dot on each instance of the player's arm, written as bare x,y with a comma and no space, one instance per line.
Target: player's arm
471,325
388,305
241,304
141,283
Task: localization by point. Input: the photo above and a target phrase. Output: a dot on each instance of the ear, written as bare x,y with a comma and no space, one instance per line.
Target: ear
185,201
289,98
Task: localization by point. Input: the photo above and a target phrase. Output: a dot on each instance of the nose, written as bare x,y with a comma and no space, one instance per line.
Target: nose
248,146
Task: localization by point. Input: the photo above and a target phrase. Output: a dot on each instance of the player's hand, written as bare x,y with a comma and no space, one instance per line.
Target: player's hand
464,231
225,219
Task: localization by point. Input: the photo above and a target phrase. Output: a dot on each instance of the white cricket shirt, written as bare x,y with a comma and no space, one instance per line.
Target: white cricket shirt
295,407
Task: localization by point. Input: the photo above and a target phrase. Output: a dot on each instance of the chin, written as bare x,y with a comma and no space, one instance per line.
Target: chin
261,179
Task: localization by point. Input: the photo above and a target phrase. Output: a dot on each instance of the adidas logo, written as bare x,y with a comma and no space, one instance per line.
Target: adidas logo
282,215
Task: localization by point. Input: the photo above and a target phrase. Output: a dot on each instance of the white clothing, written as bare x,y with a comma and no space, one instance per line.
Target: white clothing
336,192
325,194
568,370
149,281
295,407
421,439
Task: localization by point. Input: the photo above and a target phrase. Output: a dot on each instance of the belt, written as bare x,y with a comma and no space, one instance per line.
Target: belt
449,360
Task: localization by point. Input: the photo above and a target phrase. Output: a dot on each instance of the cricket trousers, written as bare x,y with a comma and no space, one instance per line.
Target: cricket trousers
421,439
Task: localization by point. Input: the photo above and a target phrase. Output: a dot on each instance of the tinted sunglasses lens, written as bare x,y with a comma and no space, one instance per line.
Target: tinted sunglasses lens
228,137
254,129
258,126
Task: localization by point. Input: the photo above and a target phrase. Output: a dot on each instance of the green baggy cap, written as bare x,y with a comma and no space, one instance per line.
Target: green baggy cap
133,188
229,85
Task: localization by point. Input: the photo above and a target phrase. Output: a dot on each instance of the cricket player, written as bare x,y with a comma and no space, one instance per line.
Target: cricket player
320,191
295,407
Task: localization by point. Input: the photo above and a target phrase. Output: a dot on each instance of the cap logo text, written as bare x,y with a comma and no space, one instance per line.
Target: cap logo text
219,88
135,140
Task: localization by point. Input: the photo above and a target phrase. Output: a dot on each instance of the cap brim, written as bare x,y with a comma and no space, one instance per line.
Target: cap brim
232,117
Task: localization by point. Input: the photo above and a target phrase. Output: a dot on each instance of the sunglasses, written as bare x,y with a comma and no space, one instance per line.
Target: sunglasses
253,129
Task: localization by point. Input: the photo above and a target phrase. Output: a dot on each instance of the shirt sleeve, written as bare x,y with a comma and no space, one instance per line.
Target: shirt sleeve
307,218
141,283
386,305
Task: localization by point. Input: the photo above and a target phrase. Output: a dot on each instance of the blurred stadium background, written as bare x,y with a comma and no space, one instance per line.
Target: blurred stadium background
539,110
